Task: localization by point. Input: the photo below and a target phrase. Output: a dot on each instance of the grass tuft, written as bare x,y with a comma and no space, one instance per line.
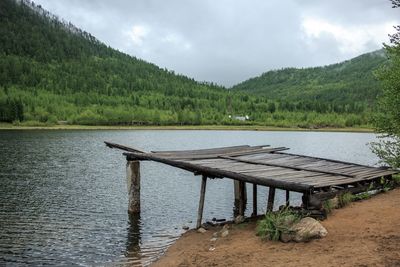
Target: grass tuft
345,199
396,179
276,223
328,205
361,196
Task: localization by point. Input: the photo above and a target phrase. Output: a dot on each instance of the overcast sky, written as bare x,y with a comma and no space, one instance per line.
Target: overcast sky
227,42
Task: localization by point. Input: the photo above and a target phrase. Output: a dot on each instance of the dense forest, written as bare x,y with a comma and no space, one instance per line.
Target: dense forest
350,84
52,72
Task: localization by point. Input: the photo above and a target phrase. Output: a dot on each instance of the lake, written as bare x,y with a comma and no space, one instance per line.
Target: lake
64,198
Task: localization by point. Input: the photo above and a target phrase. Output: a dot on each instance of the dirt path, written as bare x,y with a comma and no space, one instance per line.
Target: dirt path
366,233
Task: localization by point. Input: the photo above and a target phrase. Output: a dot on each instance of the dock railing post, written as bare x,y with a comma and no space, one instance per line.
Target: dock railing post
201,202
133,184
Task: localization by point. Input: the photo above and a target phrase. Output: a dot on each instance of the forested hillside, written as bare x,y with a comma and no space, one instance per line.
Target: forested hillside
52,72
351,83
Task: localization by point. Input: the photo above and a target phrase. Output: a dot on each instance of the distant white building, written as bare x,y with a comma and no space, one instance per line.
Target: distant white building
240,118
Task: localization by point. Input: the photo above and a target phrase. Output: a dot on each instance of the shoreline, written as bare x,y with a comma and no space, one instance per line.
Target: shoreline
9,126
364,233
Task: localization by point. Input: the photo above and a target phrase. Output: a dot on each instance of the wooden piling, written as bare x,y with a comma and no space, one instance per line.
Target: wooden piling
133,184
254,200
271,198
243,198
305,200
240,197
201,202
287,198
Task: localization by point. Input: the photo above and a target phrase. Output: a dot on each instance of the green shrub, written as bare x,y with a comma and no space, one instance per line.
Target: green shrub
328,205
276,223
345,199
386,184
396,179
363,195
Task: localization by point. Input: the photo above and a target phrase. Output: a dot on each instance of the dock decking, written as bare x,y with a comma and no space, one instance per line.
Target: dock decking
315,177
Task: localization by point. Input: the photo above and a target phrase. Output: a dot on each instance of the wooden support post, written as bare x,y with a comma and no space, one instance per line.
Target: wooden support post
287,198
240,197
243,198
133,184
271,198
254,200
201,202
306,200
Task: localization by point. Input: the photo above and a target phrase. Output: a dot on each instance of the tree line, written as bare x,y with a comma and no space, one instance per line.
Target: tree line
51,71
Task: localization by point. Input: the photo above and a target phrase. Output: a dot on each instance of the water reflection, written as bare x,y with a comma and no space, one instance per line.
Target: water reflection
64,201
134,239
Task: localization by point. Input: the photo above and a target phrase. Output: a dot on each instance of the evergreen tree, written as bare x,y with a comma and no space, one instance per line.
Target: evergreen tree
387,123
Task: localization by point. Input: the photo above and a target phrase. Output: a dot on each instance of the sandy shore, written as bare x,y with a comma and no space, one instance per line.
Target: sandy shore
366,233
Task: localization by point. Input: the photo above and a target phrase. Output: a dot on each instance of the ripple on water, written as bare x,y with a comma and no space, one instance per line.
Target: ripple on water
63,193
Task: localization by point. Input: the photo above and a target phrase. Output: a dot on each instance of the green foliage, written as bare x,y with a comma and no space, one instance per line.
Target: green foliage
328,205
275,223
345,199
387,121
387,184
347,87
396,179
361,196
51,71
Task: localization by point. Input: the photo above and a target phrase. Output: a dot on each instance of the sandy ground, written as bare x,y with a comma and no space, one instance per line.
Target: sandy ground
365,233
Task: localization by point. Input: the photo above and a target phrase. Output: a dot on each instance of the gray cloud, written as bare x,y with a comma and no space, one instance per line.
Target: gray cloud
229,41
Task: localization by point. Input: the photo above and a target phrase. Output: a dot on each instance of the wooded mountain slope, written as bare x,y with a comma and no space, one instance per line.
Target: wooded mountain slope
350,81
51,71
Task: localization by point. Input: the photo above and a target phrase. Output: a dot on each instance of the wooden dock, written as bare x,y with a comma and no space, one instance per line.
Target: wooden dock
317,178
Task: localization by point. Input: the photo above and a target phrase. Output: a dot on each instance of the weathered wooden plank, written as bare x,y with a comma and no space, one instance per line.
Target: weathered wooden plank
287,166
265,156
204,151
255,151
279,163
260,169
209,152
213,155
291,160
219,173
373,173
383,173
122,147
331,160
282,173
323,181
207,161
354,190
220,165
336,166
340,182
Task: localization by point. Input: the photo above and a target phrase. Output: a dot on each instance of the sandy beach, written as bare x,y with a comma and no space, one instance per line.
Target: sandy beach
365,233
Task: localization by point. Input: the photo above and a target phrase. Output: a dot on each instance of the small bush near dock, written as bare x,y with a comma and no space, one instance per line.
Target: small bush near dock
276,223
328,205
396,179
345,199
